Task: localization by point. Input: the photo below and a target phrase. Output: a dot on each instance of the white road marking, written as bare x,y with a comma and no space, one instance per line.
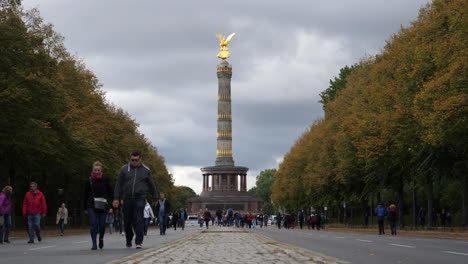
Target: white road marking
340,237
80,242
41,248
398,245
363,240
456,253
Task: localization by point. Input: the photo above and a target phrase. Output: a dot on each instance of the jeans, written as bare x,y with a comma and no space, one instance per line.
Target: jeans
97,222
393,227
162,222
201,221
145,228
5,229
182,223
34,221
62,225
133,219
110,228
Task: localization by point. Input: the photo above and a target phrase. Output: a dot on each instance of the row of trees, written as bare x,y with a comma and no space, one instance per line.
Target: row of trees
395,127
55,121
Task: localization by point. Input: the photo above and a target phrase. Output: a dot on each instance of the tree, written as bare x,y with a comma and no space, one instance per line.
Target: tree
262,188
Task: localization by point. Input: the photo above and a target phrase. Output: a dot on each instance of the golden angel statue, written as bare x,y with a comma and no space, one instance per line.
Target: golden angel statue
223,41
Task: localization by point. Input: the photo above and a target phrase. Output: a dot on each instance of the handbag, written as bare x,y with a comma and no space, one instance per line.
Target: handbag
100,203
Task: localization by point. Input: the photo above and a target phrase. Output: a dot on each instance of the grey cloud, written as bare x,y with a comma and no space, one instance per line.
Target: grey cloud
157,60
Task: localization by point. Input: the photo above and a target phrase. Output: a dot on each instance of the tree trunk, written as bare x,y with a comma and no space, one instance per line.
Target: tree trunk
465,201
429,189
401,202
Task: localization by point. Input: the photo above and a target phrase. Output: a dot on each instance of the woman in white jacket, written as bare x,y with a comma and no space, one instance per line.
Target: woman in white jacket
148,215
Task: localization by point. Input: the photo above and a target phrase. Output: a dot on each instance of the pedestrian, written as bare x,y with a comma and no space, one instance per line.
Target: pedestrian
260,219
118,219
254,220
34,207
318,220
110,218
301,219
265,219
62,218
175,219
207,217
200,218
312,221
249,219
182,218
278,220
237,217
134,181
422,216
392,216
96,192
163,207
5,214
380,212
443,217
148,216
219,215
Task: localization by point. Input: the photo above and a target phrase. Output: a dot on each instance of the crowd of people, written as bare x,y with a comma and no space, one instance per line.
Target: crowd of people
130,213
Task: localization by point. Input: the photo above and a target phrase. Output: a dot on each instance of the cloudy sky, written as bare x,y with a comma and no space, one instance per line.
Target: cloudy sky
157,60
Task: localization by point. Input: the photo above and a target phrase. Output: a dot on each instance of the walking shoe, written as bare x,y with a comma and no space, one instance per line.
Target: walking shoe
39,238
1,242
94,247
61,234
7,241
138,246
101,243
129,244
30,241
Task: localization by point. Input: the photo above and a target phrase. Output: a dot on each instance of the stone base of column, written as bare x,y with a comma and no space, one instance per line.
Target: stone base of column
224,161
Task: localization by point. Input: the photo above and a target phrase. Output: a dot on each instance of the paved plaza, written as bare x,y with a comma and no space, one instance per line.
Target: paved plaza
227,245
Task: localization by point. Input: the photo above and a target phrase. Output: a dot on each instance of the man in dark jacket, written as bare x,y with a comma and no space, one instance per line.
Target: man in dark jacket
380,212
163,208
134,180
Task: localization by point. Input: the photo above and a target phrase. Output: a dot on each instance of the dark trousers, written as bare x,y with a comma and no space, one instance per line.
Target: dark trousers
133,219
393,227
97,221
207,222
381,227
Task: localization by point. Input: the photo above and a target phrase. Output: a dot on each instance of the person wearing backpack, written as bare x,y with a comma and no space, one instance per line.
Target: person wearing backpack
392,216
380,212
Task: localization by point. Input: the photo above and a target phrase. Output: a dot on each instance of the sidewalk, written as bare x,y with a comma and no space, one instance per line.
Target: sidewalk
444,234
227,245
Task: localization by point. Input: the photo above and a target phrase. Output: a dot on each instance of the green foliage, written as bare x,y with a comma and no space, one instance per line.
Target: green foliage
262,188
183,194
336,85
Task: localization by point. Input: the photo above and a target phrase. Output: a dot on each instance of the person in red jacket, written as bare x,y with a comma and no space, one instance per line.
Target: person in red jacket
34,206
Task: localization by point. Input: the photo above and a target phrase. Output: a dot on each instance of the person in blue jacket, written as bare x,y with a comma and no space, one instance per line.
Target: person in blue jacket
380,212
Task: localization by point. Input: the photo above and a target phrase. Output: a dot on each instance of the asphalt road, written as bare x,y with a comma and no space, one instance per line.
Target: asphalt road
372,248
353,247
76,248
